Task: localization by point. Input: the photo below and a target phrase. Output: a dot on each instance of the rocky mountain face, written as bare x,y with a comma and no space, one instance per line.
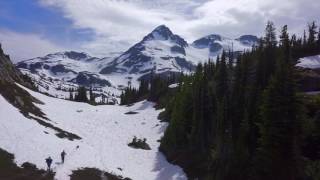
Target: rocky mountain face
8,72
18,97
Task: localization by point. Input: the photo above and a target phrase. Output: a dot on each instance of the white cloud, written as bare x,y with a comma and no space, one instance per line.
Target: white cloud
24,46
118,24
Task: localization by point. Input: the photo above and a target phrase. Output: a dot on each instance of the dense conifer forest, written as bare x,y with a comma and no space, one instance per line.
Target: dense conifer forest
242,117
246,120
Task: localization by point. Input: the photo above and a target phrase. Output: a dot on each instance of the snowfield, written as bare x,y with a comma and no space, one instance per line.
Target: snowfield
105,132
311,62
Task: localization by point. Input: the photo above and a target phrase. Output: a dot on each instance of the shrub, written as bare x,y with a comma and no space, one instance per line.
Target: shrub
139,143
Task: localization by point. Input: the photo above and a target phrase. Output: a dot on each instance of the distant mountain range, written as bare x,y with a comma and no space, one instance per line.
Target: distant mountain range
164,51
160,51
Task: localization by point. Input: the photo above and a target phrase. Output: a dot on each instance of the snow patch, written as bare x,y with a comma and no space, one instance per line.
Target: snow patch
311,62
105,132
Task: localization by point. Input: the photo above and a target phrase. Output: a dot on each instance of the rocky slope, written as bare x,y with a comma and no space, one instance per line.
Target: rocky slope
9,76
8,71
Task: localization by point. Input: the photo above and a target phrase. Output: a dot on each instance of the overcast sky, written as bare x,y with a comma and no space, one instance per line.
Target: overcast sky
30,28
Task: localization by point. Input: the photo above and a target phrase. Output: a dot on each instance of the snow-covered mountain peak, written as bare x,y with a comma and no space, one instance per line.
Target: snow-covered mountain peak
216,43
57,72
67,59
161,49
76,55
69,55
163,33
249,40
206,41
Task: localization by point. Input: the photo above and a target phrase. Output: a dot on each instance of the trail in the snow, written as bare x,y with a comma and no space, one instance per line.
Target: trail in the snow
105,131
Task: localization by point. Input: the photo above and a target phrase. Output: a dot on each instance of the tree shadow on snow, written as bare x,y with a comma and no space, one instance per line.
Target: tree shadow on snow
167,170
161,129
145,105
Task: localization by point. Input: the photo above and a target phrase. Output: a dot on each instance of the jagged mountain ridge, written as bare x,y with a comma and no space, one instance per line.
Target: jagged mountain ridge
7,70
69,64
160,48
160,51
70,67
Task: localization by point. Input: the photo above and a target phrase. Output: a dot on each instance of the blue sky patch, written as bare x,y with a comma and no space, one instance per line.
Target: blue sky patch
28,16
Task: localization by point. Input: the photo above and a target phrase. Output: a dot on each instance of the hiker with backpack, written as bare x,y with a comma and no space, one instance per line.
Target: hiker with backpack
63,154
49,162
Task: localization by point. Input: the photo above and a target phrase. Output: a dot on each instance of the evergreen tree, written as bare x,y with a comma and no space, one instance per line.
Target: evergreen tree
270,42
312,28
81,95
197,137
318,41
131,95
304,42
270,38
143,88
222,78
240,121
179,133
312,38
296,47
71,97
240,117
91,96
278,154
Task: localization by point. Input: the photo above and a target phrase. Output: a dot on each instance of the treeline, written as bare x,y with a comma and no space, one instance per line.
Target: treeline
309,44
155,89
81,95
244,121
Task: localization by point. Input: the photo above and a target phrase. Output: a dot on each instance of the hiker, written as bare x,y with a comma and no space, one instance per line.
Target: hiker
49,161
63,154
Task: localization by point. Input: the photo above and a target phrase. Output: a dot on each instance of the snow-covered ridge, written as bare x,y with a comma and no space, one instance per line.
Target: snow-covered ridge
214,44
162,32
160,51
63,62
56,73
105,132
